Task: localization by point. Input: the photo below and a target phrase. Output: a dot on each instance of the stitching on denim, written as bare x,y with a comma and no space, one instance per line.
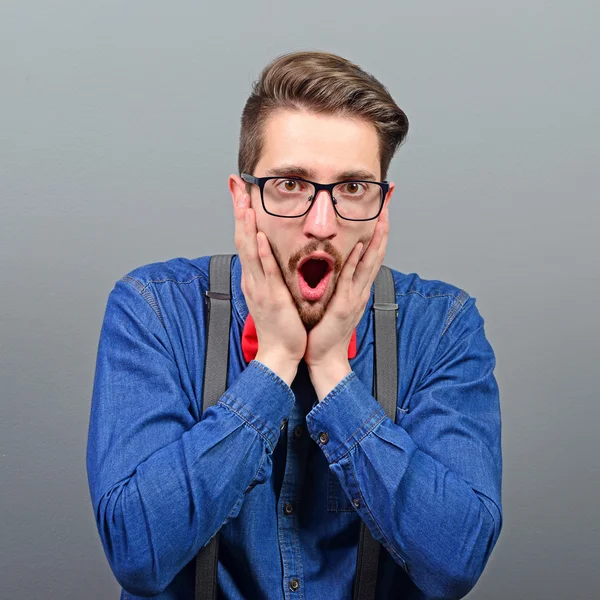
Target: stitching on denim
332,454
283,554
273,376
299,569
339,387
262,435
389,547
332,394
201,276
146,294
442,295
364,435
330,494
243,407
371,416
455,309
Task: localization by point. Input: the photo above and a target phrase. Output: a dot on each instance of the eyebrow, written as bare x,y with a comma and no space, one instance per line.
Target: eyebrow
298,171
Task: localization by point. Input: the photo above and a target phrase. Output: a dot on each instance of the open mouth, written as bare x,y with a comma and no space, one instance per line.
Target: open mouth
313,271
313,277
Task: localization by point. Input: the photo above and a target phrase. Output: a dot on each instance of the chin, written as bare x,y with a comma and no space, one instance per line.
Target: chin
310,313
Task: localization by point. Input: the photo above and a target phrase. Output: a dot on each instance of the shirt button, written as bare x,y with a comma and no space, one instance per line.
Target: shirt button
283,424
288,509
356,502
298,431
294,584
323,437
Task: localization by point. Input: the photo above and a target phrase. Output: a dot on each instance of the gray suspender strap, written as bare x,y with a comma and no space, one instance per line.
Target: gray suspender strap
215,384
385,384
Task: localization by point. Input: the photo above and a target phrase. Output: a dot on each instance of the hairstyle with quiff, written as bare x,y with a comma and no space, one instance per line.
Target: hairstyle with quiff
324,83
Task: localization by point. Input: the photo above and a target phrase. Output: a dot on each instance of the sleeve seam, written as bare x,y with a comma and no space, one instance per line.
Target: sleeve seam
455,309
145,293
365,434
241,416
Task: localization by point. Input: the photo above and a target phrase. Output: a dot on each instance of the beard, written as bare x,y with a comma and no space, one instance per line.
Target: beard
310,313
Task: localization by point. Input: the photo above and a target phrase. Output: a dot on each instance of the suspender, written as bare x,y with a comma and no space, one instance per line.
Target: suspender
385,390
215,384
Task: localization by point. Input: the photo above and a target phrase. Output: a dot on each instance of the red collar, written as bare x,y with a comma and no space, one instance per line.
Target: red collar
250,341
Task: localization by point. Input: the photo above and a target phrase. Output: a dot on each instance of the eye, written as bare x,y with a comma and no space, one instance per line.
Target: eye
353,188
289,185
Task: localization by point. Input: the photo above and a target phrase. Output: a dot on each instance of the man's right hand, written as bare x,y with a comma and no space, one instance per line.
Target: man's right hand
281,334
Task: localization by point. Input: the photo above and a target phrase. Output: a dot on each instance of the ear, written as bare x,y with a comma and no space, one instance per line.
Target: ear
388,196
237,187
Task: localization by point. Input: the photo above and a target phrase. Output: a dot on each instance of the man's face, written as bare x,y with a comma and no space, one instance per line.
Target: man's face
325,149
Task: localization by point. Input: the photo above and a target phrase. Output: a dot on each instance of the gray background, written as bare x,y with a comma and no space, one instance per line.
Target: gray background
118,129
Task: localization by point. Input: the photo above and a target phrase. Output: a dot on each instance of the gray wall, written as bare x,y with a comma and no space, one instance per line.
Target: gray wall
118,129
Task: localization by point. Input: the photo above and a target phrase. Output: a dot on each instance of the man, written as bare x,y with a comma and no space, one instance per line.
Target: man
297,452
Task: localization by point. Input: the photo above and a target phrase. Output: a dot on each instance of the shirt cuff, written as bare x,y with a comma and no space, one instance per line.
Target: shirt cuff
344,417
262,399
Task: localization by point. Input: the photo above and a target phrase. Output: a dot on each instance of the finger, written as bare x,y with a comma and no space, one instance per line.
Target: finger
252,260
269,264
372,260
239,210
367,263
241,234
381,248
346,276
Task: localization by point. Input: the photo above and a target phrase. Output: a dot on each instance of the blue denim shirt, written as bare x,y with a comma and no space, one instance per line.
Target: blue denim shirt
165,477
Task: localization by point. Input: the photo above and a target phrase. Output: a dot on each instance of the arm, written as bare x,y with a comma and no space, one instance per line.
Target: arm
161,483
429,488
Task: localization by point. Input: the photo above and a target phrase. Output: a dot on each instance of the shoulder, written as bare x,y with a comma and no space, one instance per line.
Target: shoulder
431,298
407,284
172,286
181,271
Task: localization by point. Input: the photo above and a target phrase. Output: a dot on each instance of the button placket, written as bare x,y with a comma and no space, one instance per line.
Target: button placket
287,508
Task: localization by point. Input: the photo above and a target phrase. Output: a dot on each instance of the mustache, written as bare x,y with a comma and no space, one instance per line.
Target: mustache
313,246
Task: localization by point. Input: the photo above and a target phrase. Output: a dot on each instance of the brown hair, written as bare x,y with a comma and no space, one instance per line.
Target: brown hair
324,83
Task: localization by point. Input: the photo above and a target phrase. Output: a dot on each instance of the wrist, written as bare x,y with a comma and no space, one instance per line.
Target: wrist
282,366
325,376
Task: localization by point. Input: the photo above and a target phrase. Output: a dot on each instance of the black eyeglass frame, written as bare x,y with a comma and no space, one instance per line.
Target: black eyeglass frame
261,181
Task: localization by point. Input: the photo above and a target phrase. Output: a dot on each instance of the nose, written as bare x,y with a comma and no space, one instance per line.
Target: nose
321,220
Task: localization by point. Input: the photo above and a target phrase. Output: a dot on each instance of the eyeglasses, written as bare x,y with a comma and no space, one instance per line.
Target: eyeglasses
291,197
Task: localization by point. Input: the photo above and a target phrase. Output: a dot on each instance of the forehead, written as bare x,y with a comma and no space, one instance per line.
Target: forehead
325,145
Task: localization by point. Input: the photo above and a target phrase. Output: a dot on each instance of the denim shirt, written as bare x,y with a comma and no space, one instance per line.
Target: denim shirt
287,502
